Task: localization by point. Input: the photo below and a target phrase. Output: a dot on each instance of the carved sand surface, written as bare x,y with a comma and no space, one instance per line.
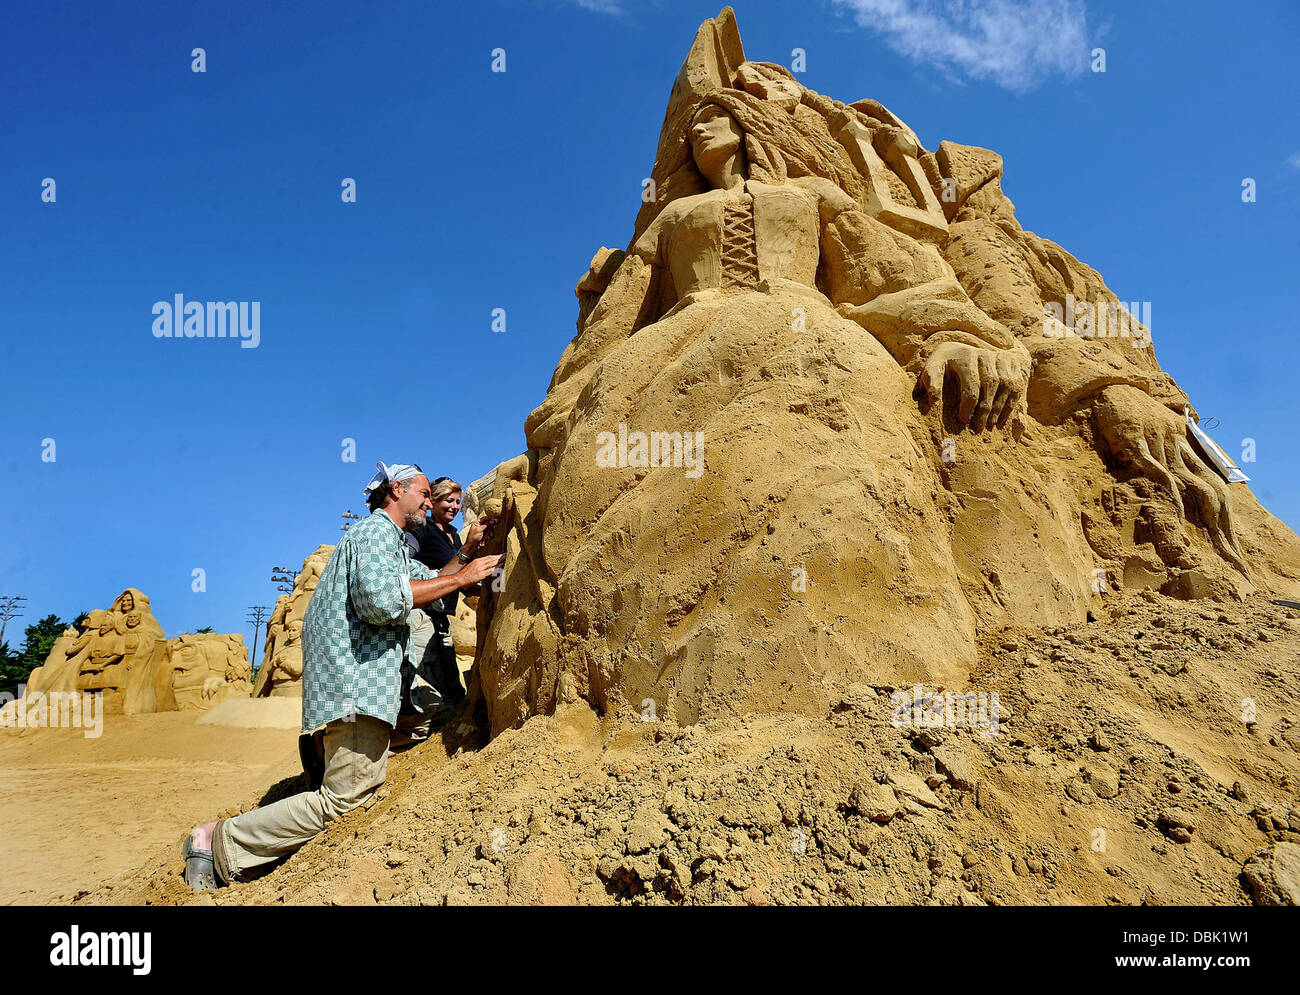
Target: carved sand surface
841,567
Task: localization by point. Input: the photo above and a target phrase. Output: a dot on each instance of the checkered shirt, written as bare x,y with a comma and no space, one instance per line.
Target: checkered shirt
354,633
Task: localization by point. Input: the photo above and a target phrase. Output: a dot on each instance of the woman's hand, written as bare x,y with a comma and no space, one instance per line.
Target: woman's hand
477,530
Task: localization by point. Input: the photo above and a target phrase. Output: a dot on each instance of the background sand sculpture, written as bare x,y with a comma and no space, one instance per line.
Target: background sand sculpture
809,324
208,668
120,651
281,671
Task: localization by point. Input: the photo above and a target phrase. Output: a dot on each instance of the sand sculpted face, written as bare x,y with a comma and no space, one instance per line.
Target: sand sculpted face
897,458
715,138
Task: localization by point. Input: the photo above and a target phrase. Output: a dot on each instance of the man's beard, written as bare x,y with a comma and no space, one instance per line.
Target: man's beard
414,520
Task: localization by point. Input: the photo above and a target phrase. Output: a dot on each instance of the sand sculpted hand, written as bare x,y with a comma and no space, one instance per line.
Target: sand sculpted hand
1150,439
990,383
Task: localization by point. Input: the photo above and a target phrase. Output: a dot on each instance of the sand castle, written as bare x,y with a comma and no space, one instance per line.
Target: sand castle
906,440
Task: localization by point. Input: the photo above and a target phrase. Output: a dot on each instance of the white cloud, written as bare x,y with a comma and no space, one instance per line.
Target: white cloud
1014,43
1294,161
600,6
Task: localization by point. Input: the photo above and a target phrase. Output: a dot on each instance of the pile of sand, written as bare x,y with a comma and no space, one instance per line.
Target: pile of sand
1123,773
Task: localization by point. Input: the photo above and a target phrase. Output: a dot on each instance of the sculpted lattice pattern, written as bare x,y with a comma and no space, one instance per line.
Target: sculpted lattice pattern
739,251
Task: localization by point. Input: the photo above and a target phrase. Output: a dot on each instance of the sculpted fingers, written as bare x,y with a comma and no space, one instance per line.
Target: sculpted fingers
1006,394
953,361
1203,495
932,374
987,365
1002,404
1154,468
1216,511
990,383
966,366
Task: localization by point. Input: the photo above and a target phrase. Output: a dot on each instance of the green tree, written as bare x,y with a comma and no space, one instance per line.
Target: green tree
206,628
8,666
40,640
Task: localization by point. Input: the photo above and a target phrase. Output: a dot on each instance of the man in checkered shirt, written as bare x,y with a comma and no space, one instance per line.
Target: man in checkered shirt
354,639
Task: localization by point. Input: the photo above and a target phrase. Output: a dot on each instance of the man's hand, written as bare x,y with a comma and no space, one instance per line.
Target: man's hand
990,383
475,570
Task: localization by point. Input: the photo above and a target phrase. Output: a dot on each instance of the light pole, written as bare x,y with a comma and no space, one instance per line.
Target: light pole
256,615
9,605
283,578
349,517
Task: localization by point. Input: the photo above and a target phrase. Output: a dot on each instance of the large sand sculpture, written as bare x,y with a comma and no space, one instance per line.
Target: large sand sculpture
816,425
208,668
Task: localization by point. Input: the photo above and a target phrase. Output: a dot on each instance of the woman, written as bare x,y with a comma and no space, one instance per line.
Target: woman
439,546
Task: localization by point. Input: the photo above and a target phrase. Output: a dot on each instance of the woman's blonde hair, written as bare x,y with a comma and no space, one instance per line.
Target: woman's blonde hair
444,486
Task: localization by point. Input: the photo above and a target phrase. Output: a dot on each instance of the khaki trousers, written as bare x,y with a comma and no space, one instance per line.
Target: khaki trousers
356,760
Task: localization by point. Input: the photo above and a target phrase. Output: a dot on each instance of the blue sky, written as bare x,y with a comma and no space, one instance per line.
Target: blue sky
479,190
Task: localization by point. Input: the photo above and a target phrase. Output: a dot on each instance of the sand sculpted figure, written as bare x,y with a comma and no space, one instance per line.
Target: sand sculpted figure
902,444
818,426
281,671
208,668
120,652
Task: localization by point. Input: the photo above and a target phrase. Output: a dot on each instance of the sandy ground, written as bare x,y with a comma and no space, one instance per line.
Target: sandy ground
78,810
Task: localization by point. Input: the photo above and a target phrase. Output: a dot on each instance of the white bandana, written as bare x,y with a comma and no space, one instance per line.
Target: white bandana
398,471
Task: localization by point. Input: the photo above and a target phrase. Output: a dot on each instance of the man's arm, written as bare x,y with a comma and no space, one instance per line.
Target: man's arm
424,592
